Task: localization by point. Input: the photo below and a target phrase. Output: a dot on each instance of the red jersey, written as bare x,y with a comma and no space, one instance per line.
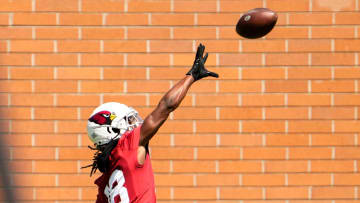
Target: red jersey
127,181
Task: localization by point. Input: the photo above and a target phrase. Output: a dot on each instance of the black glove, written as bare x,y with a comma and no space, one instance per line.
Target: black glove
198,70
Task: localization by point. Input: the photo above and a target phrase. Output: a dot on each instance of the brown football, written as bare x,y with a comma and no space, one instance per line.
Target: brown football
256,23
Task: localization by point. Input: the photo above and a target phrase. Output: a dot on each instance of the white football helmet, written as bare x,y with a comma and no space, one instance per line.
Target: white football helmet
111,120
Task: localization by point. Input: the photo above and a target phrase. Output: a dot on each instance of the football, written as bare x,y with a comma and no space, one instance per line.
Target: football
256,23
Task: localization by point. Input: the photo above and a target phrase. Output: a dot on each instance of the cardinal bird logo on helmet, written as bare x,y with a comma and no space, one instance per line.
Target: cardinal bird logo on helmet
102,118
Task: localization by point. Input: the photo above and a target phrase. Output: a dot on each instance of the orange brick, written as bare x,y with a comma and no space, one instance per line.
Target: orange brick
80,19
4,46
217,180
286,113
15,33
310,19
217,126
195,6
174,180
263,46
160,166
239,166
79,180
287,140
347,99
127,19
310,153
263,126
15,59
188,59
102,6
194,33
55,167
332,166
290,59
78,46
148,33
287,193
31,73
18,140
182,166
124,73
286,166
89,193
161,140
240,113
332,86
323,45
78,100
346,18
240,140
55,86
148,86
228,193
32,100
347,5
347,126
15,113
102,86
19,5
309,179
195,140
71,126
195,113
218,153
171,46
333,113
131,100
55,113
235,6
37,180
347,45
288,32
309,100
102,59
32,126
56,140
228,33
163,193
34,19
5,126
20,166
15,86
240,60
332,32
57,193
148,60
78,73
346,179
125,46
177,127
333,59
347,153
286,86
200,193
56,33
70,153
263,180
218,19
33,153
263,100
172,153
309,126
263,73
309,73
53,5
56,59
148,6
173,19
288,5
4,19
264,153
239,86
221,46
102,33
332,140
333,193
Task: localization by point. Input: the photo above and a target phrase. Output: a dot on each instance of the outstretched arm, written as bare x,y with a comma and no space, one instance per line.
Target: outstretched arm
172,99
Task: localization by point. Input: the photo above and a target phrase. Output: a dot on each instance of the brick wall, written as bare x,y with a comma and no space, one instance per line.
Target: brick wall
281,123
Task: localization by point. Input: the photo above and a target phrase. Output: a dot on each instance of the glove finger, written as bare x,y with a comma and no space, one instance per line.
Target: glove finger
199,51
205,57
212,74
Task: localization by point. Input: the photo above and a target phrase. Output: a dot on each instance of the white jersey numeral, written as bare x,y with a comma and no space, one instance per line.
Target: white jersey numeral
115,191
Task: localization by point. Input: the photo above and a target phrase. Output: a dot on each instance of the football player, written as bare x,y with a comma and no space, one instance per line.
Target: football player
121,139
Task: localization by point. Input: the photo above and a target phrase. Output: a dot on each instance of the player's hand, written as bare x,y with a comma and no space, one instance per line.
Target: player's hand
198,69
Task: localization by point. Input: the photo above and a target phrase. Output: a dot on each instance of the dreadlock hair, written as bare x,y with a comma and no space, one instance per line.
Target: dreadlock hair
101,156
